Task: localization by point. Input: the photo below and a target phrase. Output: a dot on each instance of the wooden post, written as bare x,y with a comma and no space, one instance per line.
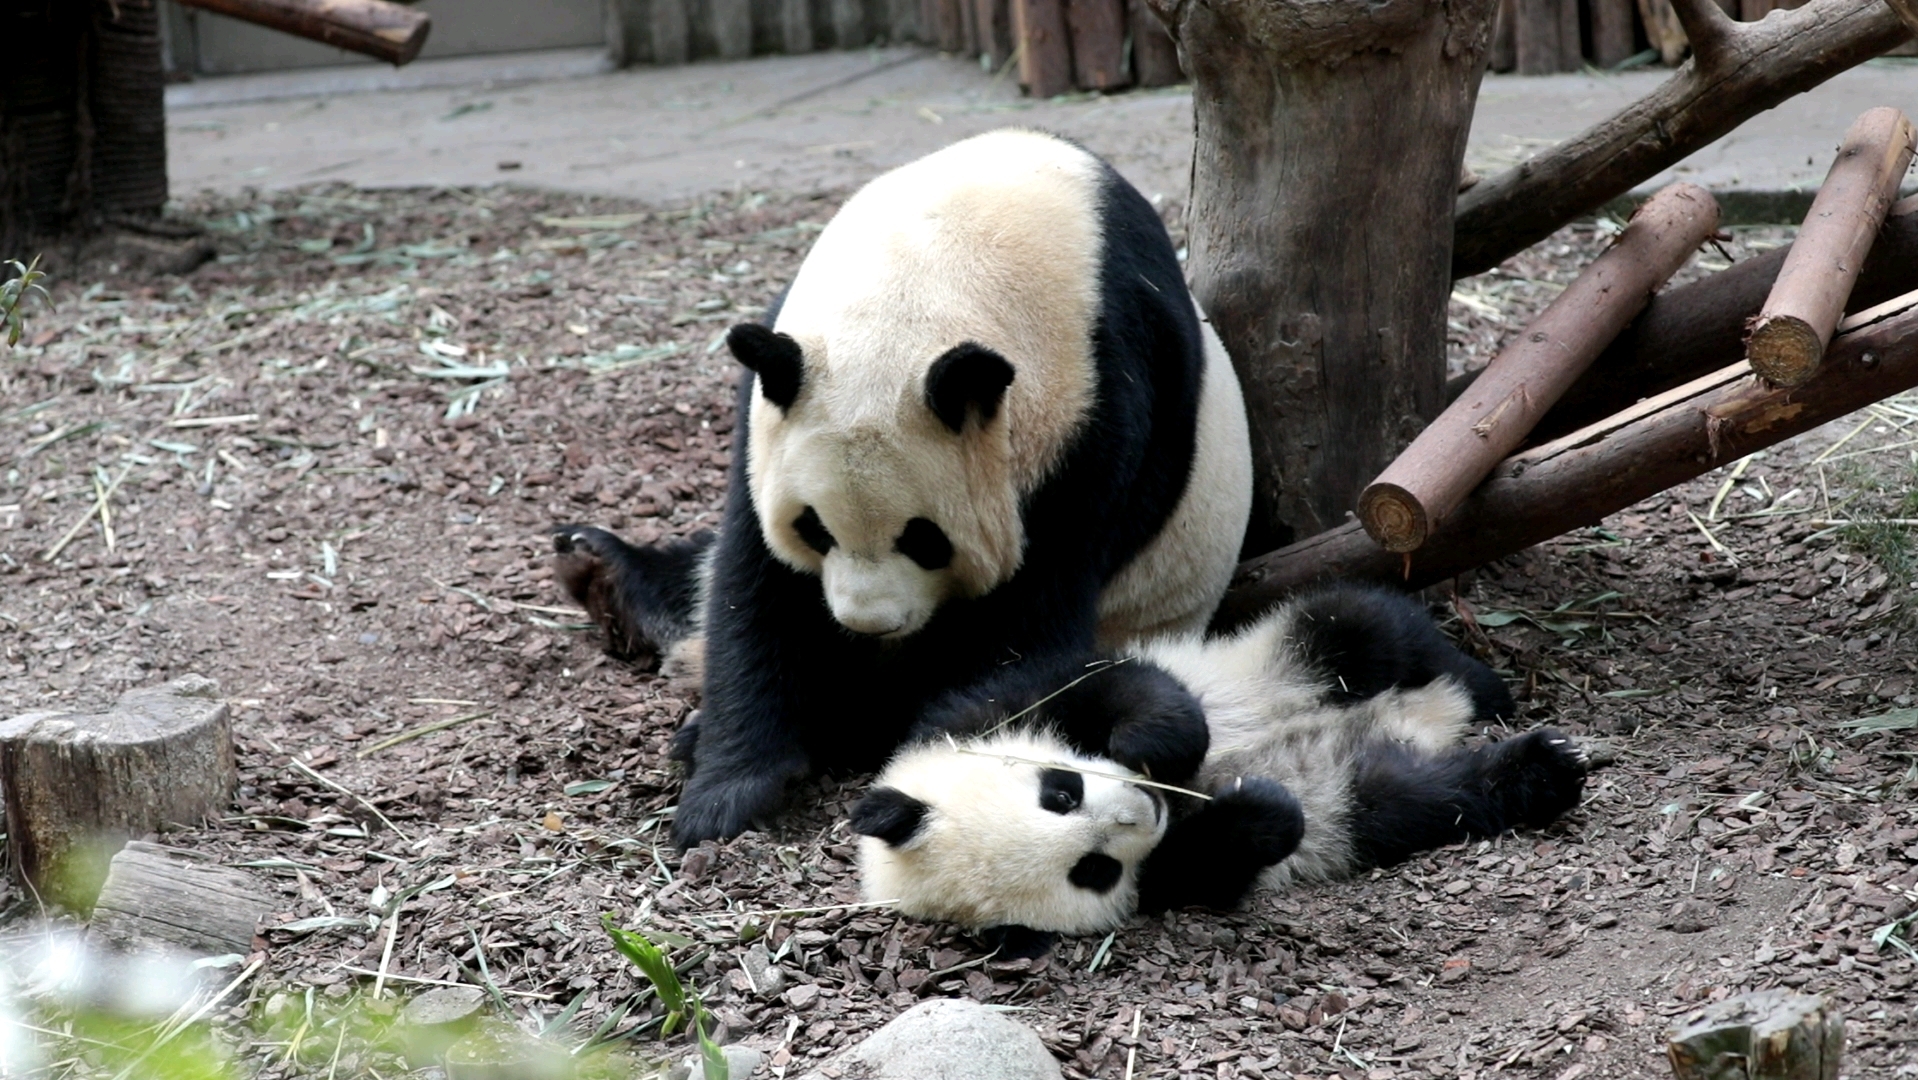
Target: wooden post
849,29
995,31
161,896
795,27
1414,495
1045,57
382,30
79,784
1098,43
1767,1035
1155,57
1536,32
1612,25
1505,36
1663,30
1599,470
672,31
731,25
1789,336
1571,48
949,25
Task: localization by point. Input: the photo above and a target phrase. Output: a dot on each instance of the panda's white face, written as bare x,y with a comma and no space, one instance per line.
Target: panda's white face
981,837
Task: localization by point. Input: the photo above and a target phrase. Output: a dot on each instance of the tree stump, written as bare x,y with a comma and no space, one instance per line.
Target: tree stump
160,896
1768,1035
79,784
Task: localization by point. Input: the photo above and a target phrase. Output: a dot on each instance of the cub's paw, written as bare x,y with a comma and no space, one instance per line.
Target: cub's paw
592,564
1017,942
1544,776
1257,816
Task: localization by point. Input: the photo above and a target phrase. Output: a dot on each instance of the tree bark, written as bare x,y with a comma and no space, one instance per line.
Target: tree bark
1690,331
995,31
1612,42
1536,34
1327,282
1737,70
82,116
169,897
1767,1035
1577,480
1416,493
77,785
1788,338
385,31
1045,56
1505,37
1098,44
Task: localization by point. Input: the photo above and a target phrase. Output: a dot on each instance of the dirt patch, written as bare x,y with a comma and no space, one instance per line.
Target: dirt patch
334,455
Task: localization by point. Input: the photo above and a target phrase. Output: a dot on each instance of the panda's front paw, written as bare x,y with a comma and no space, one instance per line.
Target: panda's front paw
1261,817
718,809
1543,778
591,563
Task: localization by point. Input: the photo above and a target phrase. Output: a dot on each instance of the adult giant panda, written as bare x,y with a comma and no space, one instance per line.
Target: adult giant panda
985,429
1335,727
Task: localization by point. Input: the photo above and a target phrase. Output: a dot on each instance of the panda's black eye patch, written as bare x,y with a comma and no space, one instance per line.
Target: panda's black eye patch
813,531
1097,872
1061,790
926,544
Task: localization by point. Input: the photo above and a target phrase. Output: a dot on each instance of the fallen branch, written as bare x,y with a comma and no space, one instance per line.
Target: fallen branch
1421,487
1789,336
1577,480
382,30
1694,329
1736,71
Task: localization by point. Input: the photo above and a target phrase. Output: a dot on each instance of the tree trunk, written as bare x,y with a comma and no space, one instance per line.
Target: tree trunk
1330,136
82,121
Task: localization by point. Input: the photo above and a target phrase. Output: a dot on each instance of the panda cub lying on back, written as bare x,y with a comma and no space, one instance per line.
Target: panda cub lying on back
1327,735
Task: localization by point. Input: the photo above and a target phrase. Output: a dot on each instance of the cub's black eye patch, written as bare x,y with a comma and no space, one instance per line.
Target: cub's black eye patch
1096,872
926,544
813,531
1061,790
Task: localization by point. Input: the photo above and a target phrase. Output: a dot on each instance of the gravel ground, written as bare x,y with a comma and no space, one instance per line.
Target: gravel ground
330,458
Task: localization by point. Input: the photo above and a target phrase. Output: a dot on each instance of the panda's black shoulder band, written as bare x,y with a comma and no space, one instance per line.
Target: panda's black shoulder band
967,376
773,356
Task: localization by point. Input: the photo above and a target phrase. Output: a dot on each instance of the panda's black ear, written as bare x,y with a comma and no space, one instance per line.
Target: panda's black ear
773,356
967,376
890,815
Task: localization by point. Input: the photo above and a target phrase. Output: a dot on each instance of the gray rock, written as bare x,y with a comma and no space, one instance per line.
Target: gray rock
767,979
945,1039
741,1062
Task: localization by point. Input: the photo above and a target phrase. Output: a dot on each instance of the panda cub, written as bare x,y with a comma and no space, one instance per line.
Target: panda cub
1332,744
985,428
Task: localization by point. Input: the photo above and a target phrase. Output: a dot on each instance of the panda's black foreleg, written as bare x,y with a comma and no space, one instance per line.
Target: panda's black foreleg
1406,802
1213,856
643,598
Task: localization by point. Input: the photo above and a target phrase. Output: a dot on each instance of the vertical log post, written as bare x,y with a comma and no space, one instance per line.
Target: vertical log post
1505,36
1417,492
1612,42
1330,295
1045,55
1790,334
1098,44
1767,1035
1536,32
672,31
995,31
1155,59
795,26
732,28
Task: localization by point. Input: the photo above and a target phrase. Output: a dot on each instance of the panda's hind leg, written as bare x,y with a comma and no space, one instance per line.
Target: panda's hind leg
1212,856
1406,801
645,599
1369,639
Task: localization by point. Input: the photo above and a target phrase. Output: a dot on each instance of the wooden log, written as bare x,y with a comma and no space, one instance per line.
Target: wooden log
1766,1035
731,24
995,31
1577,480
1612,26
1045,55
968,28
1505,37
949,25
382,30
1098,29
1414,495
1788,338
77,785
1688,331
173,898
1536,33
1571,46
1745,69
672,31
849,29
1662,29
1155,56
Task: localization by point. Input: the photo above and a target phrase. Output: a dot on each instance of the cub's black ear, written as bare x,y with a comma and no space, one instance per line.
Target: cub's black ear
773,356
890,815
967,375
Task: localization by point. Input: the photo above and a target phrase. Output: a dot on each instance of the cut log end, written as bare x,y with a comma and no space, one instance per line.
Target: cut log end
1771,1033
1784,350
1394,517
